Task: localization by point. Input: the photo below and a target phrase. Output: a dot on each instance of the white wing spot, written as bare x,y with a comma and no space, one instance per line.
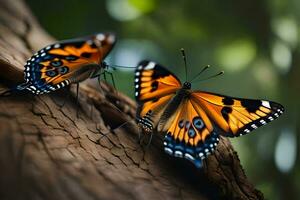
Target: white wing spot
100,37
168,150
56,46
111,39
151,65
178,153
254,126
32,87
262,121
266,104
188,156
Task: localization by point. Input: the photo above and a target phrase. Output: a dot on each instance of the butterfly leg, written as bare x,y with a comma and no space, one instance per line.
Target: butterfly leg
150,140
67,90
77,100
104,76
141,138
123,124
112,79
99,82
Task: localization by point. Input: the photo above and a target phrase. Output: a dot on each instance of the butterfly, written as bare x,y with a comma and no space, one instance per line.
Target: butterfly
193,120
66,62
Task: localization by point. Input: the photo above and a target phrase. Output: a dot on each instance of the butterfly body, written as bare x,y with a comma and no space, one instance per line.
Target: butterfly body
181,95
193,120
66,62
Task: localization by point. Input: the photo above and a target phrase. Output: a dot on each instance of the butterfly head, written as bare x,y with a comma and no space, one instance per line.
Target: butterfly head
104,65
187,85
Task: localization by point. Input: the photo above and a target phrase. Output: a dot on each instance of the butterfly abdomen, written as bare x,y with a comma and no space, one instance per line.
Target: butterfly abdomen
146,123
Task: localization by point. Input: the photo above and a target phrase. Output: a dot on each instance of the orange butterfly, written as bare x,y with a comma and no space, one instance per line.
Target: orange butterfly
66,62
193,120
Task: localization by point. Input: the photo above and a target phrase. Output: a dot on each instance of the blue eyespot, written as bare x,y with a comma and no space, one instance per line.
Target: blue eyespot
192,132
56,63
198,123
51,73
180,124
63,70
187,124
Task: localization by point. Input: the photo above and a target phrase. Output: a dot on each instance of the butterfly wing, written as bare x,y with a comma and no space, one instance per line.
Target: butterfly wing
153,81
155,86
190,133
66,62
236,116
194,128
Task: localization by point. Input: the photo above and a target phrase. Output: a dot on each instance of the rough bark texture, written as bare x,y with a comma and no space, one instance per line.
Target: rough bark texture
46,152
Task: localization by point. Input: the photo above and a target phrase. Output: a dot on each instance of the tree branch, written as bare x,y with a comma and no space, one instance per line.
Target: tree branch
46,152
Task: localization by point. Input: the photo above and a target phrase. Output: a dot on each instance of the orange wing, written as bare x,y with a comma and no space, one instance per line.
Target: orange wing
236,116
190,133
149,113
66,62
154,88
153,81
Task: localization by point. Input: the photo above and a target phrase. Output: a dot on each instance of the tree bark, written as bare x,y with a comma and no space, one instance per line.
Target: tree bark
46,152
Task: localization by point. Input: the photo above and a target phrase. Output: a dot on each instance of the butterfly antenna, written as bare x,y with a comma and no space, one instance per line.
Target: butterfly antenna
184,60
203,69
213,76
114,67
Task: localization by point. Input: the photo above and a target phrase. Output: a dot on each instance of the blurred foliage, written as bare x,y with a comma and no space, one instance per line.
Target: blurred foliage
256,42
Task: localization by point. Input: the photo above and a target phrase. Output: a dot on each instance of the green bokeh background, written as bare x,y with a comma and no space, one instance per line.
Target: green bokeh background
256,43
